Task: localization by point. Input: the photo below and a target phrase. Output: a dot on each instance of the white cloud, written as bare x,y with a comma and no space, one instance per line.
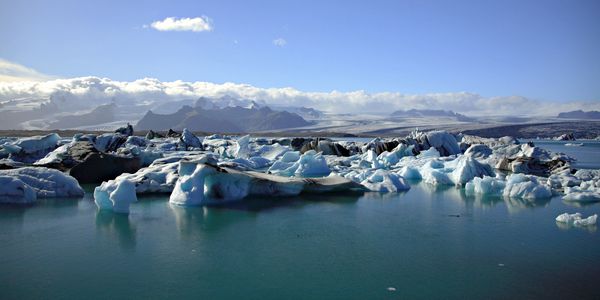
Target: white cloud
280,42
14,72
197,24
91,91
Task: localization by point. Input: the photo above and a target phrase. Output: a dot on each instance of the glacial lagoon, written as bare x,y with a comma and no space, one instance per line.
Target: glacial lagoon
425,243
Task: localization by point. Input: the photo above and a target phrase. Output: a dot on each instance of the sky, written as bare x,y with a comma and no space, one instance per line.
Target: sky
542,50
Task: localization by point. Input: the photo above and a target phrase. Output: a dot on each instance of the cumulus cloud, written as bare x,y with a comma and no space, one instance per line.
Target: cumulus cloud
13,72
280,42
196,24
90,91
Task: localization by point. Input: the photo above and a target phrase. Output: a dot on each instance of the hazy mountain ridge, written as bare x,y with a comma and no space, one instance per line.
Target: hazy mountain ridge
580,114
227,119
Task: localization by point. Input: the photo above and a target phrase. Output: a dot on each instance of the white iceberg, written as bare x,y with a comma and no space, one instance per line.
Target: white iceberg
190,140
587,191
115,195
385,182
576,219
202,184
487,185
37,143
309,164
47,183
525,187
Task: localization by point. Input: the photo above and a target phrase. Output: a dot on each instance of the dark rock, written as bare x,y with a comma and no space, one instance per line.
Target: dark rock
298,142
99,167
127,131
153,135
173,133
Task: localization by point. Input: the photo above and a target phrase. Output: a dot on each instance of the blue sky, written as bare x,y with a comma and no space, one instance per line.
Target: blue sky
546,50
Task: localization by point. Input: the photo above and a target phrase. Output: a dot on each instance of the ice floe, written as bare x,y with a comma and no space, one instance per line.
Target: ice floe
576,219
46,183
115,195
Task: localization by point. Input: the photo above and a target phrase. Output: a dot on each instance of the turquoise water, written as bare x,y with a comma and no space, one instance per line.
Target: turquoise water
588,155
425,243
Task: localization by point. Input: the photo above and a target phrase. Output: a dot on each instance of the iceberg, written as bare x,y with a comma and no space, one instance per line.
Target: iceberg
115,195
587,191
525,187
204,184
47,183
576,219
38,143
309,164
385,182
13,190
190,140
487,185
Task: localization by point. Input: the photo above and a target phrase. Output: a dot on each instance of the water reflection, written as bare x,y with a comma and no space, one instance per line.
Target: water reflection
192,221
565,226
514,205
117,225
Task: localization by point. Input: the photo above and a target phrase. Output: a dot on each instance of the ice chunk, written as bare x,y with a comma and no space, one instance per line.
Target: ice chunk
309,164
241,149
591,220
586,192
385,181
576,219
13,190
38,143
526,187
468,168
479,151
485,186
190,140
409,172
47,183
55,156
115,195
201,184
429,153
443,141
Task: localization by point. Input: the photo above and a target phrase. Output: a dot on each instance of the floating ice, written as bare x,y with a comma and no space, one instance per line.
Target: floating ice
47,183
576,219
485,186
190,140
525,187
115,195
202,184
385,182
13,190
587,191
37,143
309,164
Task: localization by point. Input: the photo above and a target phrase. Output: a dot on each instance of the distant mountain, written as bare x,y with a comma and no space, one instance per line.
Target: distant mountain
99,115
580,114
228,119
305,112
424,113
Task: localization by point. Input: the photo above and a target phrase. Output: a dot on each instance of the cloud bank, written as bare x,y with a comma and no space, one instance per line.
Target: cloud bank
13,72
197,24
91,91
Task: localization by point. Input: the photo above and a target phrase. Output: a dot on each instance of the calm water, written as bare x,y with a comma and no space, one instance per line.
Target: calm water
588,155
426,243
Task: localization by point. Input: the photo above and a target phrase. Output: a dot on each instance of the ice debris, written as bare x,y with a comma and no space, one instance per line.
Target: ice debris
17,185
115,195
576,219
